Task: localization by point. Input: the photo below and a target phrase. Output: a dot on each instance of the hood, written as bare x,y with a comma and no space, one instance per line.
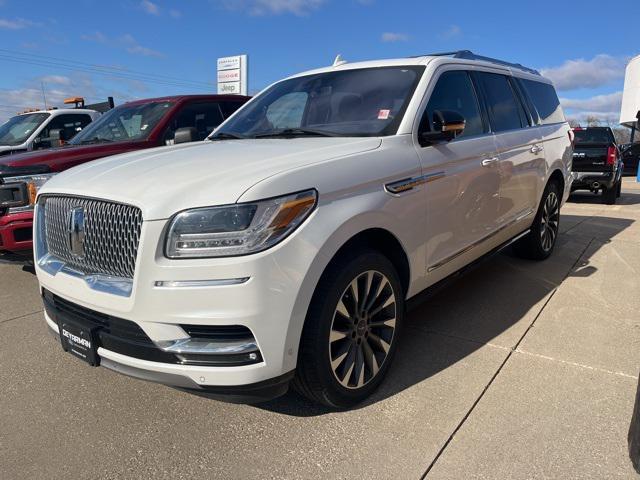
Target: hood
62,158
163,181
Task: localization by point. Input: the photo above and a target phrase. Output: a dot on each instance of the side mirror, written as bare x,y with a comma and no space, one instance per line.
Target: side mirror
185,135
446,126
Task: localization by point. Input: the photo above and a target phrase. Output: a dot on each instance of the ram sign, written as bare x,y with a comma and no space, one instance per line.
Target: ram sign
232,75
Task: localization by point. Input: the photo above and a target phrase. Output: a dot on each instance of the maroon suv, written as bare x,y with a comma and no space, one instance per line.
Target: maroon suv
131,126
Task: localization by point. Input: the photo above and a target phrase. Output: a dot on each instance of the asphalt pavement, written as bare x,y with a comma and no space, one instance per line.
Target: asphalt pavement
515,370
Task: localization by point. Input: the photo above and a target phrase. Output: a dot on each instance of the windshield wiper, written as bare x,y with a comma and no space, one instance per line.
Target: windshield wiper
95,140
227,136
296,132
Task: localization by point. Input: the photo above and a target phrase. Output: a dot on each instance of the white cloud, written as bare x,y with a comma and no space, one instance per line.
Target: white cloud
389,37
575,74
126,41
16,23
98,37
133,47
604,107
150,7
56,80
175,13
451,32
600,103
273,7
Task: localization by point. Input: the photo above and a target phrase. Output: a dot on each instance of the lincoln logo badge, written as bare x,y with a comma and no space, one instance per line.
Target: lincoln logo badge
76,232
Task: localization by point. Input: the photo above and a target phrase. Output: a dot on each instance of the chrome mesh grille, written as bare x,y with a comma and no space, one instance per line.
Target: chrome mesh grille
112,235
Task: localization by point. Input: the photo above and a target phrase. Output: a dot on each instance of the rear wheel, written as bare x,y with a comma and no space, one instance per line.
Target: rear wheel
609,195
539,242
619,189
351,330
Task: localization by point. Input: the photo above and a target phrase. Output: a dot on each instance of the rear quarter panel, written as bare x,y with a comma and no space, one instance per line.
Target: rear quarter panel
558,155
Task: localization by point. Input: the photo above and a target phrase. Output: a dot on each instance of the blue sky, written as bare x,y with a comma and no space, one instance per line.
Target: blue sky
145,48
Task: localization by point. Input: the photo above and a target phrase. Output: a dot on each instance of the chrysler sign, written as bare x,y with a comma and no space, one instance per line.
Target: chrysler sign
232,75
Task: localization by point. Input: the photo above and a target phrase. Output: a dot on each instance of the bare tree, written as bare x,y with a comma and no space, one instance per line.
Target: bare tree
593,121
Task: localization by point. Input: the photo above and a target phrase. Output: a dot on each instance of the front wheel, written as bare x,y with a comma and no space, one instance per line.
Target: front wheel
351,330
541,239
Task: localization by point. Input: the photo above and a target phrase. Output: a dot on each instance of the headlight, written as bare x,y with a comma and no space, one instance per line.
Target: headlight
238,229
34,183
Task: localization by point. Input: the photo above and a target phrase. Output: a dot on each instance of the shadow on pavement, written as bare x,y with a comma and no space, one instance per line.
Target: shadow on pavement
585,197
471,311
24,259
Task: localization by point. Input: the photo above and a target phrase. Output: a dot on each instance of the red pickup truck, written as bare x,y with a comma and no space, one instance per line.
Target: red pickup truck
131,126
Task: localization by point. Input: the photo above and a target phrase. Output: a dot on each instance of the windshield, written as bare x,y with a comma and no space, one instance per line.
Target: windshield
19,128
358,103
124,123
594,135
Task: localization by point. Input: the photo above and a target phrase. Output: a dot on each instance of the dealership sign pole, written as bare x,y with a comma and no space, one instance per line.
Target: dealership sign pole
232,75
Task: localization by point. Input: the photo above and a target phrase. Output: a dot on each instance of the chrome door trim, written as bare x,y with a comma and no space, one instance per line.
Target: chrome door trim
406,184
482,240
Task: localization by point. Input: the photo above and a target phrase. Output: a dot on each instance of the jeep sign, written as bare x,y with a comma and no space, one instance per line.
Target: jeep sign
232,75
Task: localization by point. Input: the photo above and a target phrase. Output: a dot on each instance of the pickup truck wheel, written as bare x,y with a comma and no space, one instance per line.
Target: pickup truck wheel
351,331
609,195
619,189
539,242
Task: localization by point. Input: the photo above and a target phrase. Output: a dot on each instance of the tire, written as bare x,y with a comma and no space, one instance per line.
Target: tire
338,340
619,189
538,244
609,195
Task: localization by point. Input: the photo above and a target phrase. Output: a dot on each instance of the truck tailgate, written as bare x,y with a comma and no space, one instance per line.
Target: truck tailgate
590,158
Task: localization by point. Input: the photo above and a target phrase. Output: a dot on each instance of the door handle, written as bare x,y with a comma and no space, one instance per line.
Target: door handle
536,149
487,162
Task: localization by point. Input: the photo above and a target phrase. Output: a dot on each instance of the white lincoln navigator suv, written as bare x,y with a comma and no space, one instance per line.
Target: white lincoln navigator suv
282,250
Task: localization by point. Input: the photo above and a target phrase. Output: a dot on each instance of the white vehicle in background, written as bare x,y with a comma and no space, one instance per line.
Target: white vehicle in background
38,129
284,249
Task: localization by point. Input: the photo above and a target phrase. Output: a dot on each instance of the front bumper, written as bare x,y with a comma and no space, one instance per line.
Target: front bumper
183,377
266,304
16,231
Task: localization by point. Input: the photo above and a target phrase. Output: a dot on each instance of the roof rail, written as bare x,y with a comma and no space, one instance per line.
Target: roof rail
469,55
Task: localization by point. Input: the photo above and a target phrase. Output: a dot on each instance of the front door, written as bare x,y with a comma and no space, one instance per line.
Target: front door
462,190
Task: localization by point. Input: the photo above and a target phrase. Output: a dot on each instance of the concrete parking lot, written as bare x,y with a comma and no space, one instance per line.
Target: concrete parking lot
515,370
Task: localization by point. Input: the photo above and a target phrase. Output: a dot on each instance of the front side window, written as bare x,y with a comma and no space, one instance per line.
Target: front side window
454,92
203,116
505,110
545,100
359,103
18,129
69,124
124,123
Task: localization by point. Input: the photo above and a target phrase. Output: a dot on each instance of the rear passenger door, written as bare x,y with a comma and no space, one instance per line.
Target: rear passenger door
462,188
521,161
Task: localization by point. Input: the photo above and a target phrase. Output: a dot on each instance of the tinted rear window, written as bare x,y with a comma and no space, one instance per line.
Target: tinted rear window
505,111
594,135
545,100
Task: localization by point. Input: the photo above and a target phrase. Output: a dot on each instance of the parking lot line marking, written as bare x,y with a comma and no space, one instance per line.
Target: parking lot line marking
575,364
